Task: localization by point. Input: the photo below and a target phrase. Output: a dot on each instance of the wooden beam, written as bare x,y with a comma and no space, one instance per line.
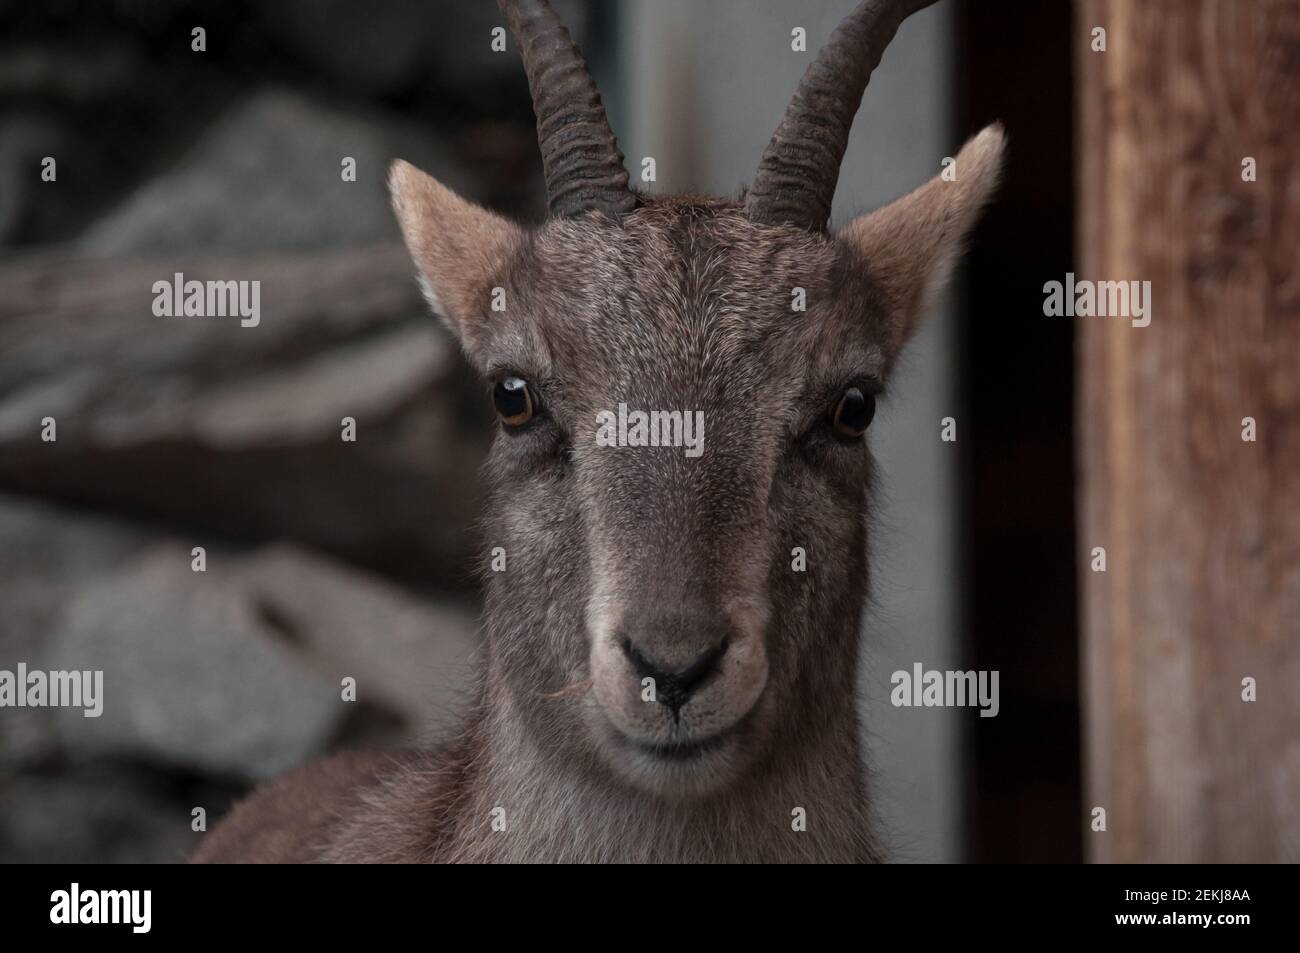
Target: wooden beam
1201,528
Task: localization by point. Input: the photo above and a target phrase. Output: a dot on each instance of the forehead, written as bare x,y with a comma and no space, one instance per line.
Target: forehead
689,297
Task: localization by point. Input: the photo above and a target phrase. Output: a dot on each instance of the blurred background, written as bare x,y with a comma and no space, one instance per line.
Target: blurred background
327,558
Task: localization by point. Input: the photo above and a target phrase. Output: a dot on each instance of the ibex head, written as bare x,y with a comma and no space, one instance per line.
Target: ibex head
651,615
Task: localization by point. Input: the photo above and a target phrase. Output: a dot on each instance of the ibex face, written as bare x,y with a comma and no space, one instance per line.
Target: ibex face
666,565
652,616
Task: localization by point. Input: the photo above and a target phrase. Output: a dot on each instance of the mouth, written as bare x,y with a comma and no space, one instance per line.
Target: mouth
688,752
680,751
682,764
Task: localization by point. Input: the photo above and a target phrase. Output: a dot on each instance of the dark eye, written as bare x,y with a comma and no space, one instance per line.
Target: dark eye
514,401
852,415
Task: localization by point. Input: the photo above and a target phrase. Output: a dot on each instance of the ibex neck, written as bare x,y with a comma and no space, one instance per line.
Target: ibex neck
803,803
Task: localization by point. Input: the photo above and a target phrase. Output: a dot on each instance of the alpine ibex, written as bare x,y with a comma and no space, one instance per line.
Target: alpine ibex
660,682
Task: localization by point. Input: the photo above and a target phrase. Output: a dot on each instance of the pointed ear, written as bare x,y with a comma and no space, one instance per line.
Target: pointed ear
460,249
912,244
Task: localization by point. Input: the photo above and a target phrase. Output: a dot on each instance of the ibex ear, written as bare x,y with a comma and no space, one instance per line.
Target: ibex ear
912,244
460,249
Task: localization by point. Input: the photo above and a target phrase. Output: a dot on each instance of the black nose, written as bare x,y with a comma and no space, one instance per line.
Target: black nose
674,687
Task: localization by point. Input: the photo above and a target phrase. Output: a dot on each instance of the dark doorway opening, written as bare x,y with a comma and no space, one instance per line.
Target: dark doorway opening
1015,65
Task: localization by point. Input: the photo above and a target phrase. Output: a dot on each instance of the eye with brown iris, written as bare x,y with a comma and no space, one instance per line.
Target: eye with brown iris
514,401
852,415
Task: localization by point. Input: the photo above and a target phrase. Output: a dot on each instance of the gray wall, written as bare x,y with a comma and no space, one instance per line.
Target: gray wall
701,86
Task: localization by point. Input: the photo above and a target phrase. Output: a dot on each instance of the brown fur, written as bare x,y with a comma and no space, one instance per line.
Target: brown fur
292,819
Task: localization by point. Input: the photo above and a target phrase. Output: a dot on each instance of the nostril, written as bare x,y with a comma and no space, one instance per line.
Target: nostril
704,665
675,685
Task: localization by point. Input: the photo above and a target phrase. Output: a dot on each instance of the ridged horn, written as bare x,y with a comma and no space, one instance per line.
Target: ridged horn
796,177
580,156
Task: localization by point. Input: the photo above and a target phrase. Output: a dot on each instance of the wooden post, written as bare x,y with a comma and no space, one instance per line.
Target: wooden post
1201,528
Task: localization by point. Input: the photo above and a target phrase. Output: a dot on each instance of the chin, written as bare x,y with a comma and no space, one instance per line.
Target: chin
686,768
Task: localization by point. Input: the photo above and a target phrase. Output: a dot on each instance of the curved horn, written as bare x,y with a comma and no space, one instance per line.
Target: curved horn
584,169
796,177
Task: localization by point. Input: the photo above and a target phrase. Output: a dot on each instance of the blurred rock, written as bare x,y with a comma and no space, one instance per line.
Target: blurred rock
232,672
46,555
223,429
268,175
47,551
396,46
105,108
391,43
105,812
24,142
193,676
408,655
